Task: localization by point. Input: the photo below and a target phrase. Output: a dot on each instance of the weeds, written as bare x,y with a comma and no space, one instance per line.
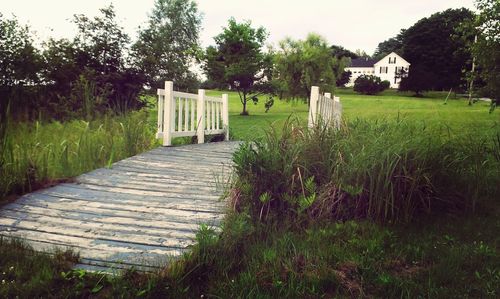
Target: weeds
34,155
385,171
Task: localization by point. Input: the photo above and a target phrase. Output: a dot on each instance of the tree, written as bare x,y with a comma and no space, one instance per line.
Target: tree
369,84
345,77
486,49
169,44
430,46
340,52
393,44
20,65
418,80
239,62
304,63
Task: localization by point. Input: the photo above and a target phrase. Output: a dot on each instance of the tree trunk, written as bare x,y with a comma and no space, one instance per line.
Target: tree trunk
244,102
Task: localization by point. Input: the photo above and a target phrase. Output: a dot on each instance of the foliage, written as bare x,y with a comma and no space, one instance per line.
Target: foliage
33,155
340,52
385,171
84,77
393,44
428,45
169,43
432,45
486,49
369,84
417,80
304,63
239,62
345,77
20,63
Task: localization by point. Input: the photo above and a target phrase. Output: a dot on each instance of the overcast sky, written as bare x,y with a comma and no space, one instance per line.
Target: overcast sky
354,24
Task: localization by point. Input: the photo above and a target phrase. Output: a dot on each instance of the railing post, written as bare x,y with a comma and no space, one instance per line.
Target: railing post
225,115
313,106
168,113
201,116
328,106
161,102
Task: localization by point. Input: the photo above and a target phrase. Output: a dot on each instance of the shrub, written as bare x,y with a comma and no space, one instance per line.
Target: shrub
369,84
383,171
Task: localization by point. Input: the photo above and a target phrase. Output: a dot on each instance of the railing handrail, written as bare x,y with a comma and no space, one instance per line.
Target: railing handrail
324,109
186,114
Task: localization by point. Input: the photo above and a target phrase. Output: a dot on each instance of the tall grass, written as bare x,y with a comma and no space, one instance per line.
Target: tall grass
387,171
32,154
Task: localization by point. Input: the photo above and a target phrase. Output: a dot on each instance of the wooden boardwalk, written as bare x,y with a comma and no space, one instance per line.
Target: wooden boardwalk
139,213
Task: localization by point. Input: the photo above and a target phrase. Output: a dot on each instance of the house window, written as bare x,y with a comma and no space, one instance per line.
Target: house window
384,69
394,60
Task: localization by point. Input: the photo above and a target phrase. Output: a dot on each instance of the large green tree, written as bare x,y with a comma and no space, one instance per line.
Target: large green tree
238,61
168,45
20,65
429,45
393,44
303,63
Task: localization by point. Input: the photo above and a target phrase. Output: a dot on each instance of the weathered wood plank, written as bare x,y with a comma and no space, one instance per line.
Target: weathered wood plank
127,202
139,213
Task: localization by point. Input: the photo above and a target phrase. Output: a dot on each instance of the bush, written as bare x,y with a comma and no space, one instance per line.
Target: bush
369,84
384,171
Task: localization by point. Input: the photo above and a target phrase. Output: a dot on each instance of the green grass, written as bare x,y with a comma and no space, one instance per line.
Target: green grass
429,110
392,146
36,154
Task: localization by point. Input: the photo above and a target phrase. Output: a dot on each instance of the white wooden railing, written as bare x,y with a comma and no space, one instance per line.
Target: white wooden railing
324,109
183,114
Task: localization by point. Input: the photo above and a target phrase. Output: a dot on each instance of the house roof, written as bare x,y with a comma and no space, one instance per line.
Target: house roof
363,62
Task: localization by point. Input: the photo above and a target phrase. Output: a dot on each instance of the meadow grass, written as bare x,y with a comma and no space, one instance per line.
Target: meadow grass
285,234
429,110
35,154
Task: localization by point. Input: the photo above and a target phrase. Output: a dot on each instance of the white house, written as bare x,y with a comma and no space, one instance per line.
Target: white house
386,68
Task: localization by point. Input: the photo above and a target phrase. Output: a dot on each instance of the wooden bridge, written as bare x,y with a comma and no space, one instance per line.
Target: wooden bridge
138,213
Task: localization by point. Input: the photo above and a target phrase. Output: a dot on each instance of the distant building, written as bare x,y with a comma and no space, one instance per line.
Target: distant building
387,68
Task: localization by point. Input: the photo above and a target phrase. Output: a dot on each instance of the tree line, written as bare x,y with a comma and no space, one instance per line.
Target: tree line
100,70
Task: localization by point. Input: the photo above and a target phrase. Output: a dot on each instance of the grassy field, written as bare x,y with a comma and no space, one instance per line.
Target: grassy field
430,110
334,214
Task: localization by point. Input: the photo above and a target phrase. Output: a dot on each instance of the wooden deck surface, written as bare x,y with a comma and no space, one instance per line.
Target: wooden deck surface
139,213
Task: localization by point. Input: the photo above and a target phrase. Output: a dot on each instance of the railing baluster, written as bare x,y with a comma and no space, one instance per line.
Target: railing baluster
192,115
186,114
179,116
217,117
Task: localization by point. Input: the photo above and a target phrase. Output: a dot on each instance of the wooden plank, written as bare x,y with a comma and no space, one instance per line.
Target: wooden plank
79,192
144,192
143,209
12,218
121,208
143,238
98,211
183,156
149,177
145,185
98,250
137,221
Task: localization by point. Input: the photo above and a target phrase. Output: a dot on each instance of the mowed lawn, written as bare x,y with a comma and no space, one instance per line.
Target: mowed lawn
456,115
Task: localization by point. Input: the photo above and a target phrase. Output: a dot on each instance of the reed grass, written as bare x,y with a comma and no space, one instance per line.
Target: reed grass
387,171
34,154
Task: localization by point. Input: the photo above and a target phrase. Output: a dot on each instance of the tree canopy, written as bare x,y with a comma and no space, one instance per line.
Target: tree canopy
239,61
301,64
169,44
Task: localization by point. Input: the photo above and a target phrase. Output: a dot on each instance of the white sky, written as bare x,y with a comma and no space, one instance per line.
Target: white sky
354,24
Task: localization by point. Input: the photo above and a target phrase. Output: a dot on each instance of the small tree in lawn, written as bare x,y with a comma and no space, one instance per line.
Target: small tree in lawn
238,61
368,84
